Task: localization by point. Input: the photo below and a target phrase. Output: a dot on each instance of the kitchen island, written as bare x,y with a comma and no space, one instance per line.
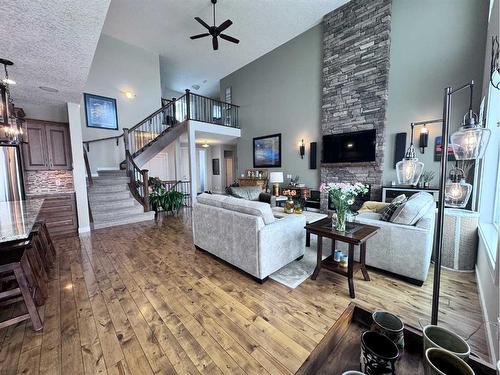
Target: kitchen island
17,219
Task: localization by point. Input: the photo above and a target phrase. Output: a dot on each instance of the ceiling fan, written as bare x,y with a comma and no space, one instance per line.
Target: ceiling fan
215,31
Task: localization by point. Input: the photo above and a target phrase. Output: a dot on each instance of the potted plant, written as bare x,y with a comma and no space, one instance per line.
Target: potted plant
426,178
342,196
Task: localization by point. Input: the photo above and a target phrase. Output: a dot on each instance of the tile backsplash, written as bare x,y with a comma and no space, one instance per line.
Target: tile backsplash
60,181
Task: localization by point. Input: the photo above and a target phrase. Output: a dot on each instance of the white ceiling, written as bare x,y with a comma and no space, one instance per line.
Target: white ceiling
164,27
51,43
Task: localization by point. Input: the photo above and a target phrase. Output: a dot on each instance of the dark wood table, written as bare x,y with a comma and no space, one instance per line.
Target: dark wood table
355,234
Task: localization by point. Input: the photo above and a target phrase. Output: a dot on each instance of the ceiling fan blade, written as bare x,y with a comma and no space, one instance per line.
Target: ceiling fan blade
224,25
204,24
215,43
229,38
200,36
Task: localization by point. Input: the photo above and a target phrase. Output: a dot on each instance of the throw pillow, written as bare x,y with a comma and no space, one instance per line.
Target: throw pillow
387,212
373,206
414,209
250,193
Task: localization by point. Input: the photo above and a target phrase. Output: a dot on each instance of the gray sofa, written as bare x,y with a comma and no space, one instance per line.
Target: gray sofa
404,250
246,234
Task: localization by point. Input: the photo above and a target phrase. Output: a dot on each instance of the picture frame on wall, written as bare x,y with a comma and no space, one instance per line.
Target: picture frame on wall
4,116
100,112
267,151
215,167
438,150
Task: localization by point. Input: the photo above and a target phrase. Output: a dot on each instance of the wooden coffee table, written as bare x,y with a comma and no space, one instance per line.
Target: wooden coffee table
358,234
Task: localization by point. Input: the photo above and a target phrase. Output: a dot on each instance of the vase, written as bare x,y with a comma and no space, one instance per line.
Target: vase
341,219
289,206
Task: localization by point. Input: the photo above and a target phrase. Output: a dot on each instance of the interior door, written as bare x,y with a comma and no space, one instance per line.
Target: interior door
58,146
35,151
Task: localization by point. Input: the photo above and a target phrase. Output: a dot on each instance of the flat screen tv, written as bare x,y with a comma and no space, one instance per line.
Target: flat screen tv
355,147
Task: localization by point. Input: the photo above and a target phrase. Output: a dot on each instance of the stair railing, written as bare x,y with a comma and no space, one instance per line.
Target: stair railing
87,167
181,186
139,181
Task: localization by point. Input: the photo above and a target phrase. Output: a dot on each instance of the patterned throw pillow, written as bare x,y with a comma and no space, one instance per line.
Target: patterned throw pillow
387,212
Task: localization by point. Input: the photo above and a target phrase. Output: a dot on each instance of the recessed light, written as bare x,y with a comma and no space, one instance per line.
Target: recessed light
48,89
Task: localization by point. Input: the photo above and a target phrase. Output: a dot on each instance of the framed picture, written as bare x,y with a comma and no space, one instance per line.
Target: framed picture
267,151
215,167
100,112
4,118
438,150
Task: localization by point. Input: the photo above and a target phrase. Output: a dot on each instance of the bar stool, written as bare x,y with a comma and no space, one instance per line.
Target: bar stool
15,262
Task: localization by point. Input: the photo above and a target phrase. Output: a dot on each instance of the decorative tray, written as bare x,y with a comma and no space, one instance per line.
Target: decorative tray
340,349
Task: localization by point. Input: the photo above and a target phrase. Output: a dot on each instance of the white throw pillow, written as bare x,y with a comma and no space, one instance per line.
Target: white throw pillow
254,208
414,209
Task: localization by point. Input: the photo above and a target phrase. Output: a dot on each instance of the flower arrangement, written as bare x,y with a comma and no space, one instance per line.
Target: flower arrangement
342,196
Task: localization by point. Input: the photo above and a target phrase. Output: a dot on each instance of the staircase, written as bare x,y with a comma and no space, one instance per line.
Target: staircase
111,202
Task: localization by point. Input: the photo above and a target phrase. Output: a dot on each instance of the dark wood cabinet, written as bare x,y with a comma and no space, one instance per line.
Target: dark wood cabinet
48,146
59,213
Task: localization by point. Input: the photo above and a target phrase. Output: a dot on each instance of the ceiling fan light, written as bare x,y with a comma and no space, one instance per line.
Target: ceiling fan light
9,81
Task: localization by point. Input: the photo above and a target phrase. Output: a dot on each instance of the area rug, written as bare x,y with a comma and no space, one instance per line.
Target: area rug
295,273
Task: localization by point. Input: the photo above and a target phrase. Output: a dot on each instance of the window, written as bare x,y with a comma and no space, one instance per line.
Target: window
489,206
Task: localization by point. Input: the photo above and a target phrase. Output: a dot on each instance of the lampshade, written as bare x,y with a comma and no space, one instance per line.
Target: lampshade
276,177
457,191
470,142
409,169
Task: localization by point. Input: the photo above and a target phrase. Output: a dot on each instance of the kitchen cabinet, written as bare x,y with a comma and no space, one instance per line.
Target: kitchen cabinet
59,213
48,146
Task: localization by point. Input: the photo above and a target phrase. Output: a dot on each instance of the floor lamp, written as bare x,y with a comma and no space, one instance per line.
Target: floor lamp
468,143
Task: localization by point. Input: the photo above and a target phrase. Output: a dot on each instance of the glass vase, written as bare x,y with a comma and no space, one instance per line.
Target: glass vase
341,219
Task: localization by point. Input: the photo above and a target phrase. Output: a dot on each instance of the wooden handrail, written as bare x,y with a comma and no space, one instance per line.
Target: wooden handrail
153,114
87,167
132,169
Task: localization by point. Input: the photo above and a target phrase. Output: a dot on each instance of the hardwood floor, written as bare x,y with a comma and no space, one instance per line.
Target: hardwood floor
139,299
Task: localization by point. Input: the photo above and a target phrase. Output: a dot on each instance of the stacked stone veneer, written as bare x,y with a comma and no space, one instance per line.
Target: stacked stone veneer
356,41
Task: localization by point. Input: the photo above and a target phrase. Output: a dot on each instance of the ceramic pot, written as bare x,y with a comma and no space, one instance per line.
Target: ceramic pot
378,354
389,325
442,362
439,337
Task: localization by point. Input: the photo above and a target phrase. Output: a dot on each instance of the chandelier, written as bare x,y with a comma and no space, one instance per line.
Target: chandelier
11,130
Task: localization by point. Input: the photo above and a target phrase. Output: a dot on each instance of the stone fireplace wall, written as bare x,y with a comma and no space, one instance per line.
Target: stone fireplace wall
356,41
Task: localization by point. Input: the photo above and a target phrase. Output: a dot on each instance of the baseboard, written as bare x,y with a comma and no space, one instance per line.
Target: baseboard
82,230
489,333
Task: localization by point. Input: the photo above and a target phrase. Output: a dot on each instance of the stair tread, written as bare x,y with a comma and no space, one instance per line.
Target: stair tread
144,216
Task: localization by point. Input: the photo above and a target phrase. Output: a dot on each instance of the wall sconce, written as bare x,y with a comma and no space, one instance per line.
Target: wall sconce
423,142
128,94
302,149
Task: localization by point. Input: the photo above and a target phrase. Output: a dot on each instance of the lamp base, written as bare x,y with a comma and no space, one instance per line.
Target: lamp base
276,190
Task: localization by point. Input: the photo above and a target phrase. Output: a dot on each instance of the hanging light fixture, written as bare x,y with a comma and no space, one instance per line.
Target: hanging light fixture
470,141
409,169
457,191
10,125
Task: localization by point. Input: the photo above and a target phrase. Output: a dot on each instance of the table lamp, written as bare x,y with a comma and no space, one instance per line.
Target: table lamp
276,178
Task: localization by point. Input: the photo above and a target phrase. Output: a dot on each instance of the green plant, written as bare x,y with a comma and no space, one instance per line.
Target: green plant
156,198
167,200
427,176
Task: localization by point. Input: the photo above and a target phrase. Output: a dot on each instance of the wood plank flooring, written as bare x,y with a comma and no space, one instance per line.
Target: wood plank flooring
139,299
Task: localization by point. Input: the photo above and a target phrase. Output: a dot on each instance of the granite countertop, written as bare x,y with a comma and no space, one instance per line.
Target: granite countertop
17,218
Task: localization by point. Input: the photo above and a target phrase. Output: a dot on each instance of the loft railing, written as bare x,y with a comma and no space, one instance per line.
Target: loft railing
139,181
202,108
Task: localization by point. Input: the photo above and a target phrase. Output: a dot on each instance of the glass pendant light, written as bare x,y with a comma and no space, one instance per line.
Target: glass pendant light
471,140
457,191
409,169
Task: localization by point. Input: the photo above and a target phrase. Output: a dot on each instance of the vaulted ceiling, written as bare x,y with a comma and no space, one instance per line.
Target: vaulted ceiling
52,44
164,27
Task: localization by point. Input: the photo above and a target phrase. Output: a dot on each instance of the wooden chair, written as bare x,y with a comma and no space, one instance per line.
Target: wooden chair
14,262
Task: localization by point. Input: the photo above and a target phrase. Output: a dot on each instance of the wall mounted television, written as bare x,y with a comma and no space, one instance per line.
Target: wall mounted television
354,147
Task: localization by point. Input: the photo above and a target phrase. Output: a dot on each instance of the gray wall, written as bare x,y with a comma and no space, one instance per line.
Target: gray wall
280,93
434,44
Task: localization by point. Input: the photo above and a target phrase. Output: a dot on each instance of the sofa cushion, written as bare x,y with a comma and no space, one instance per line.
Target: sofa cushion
414,209
386,213
259,209
211,199
369,215
250,193
373,206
